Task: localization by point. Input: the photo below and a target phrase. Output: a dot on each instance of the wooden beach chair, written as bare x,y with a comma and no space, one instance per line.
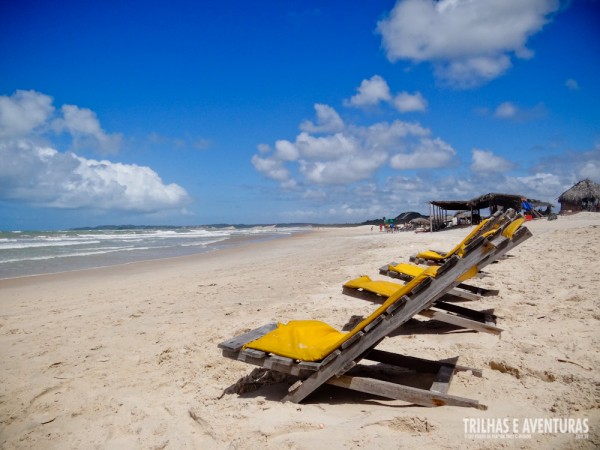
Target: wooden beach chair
433,257
316,353
465,291
378,290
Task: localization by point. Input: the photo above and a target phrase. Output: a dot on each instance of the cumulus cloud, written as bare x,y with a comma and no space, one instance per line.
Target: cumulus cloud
328,121
371,92
405,102
469,42
352,154
43,176
486,161
83,125
506,110
272,168
23,113
427,154
376,90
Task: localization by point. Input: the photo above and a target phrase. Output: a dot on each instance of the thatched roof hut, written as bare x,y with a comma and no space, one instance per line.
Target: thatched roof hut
584,196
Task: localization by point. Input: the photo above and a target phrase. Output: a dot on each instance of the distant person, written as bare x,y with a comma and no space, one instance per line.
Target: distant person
526,206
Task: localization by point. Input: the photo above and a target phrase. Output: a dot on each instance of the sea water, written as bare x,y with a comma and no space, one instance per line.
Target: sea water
24,253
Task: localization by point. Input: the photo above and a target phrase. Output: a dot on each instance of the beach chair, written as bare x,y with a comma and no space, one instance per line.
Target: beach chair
375,290
317,354
433,257
380,290
508,226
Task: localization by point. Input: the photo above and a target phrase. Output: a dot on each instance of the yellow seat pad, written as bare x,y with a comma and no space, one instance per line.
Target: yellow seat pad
435,256
513,227
381,287
306,340
414,271
312,340
408,269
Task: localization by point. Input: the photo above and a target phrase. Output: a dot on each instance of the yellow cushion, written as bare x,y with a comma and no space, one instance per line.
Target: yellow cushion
468,274
407,269
306,340
513,227
413,271
312,340
435,256
430,254
381,287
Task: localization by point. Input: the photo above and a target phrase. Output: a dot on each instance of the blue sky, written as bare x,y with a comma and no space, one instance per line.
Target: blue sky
186,112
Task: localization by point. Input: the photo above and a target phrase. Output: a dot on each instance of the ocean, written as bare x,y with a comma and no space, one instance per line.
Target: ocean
24,253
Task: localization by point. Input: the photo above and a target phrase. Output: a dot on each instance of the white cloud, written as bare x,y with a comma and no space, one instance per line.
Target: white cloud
371,92
328,121
486,161
375,90
23,112
572,84
347,169
286,151
85,128
351,155
428,154
510,111
506,110
471,72
468,41
271,167
40,175
43,176
326,148
405,102
26,113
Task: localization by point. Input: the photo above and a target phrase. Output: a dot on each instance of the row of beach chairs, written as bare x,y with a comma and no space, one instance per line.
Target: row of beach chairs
313,353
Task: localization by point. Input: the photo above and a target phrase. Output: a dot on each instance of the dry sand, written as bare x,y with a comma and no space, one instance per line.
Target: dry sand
127,357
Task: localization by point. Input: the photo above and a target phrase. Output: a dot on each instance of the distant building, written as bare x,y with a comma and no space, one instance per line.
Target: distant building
584,196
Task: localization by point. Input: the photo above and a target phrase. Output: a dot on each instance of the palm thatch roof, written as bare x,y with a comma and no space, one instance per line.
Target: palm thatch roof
420,221
585,189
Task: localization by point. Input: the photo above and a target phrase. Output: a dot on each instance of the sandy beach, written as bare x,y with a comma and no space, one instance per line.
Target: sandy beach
127,357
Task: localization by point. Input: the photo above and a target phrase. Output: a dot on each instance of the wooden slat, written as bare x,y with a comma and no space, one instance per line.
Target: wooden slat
461,321
373,324
394,307
236,343
461,295
309,365
352,340
417,364
330,358
478,290
422,286
400,392
466,312
279,364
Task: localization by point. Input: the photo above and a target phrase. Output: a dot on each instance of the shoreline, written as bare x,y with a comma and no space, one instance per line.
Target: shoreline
126,356
224,245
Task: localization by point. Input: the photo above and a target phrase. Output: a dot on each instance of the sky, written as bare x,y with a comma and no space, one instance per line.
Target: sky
265,111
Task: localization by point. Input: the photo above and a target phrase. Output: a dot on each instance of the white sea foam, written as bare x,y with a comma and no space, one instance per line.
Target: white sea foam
26,253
